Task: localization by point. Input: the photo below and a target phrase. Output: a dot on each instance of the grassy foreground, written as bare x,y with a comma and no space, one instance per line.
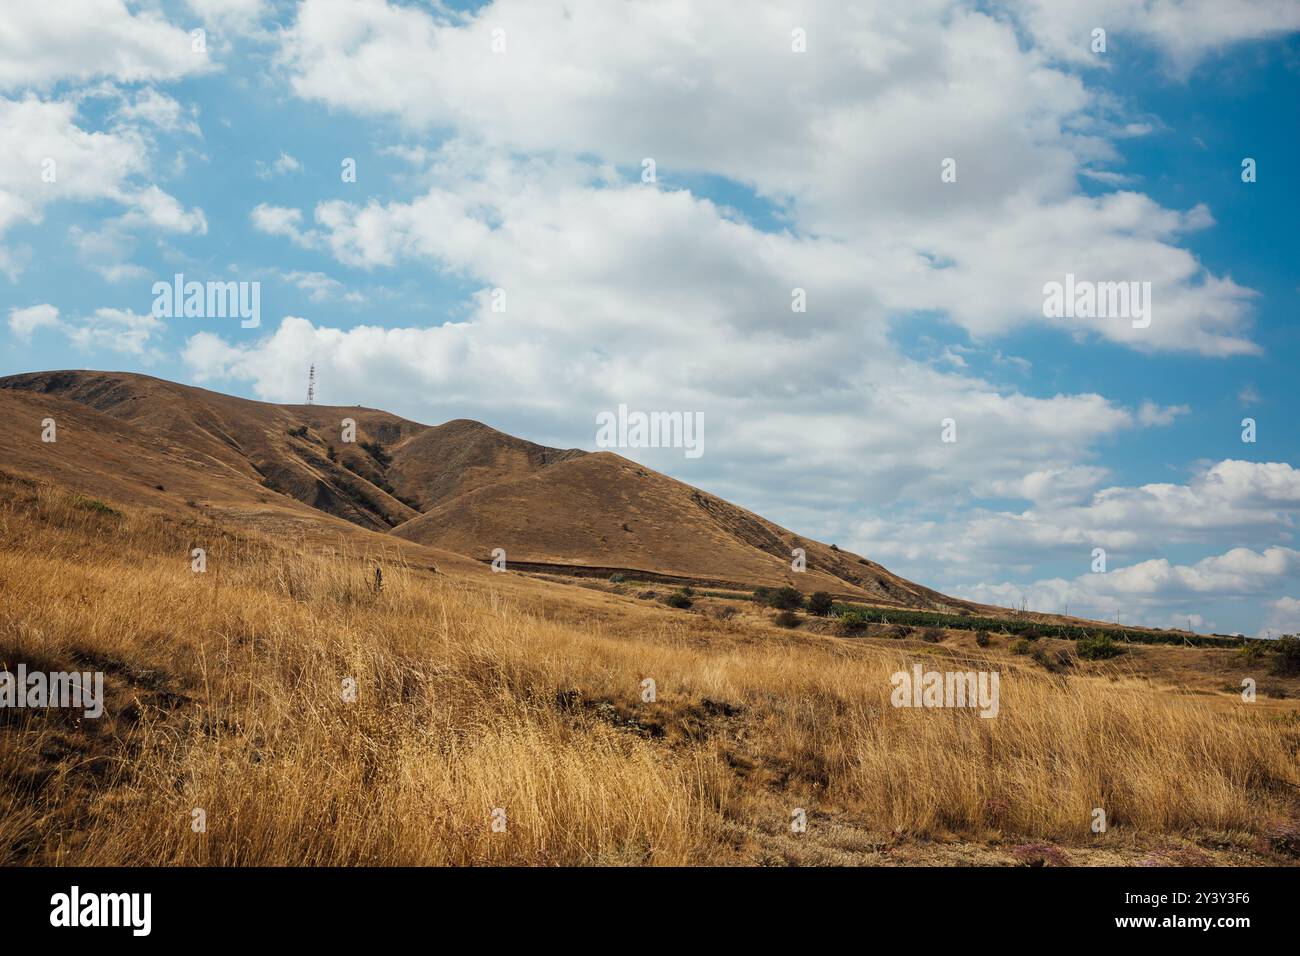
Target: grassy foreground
228,693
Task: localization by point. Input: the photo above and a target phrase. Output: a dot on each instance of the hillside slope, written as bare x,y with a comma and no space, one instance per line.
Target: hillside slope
461,486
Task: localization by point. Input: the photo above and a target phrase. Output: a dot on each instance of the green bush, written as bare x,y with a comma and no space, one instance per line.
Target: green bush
677,599
1287,649
820,603
93,504
787,619
1097,647
785,599
982,638
853,620
1020,646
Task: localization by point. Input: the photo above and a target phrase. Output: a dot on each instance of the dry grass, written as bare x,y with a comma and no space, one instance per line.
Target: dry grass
226,693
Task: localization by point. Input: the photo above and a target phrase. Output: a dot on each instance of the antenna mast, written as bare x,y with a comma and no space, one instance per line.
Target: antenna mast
311,386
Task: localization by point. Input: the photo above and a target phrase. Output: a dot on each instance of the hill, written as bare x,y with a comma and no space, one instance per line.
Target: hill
461,486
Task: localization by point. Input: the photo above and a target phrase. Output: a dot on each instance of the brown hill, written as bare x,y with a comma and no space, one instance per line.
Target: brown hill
461,486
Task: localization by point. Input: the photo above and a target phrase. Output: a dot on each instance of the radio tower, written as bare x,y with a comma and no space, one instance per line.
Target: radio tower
311,386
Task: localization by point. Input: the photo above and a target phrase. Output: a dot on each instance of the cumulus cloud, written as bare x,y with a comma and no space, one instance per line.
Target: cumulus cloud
1227,501
118,330
1184,31
23,322
847,139
1143,593
91,39
106,329
50,158
277,221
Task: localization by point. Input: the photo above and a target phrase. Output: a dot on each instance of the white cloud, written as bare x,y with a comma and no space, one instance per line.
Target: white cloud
321,288
118,330
153,207
1223,503
1051,486
159,110
114,330
49,158
281,166
847,139
1283,617
277,221
1185,31
1147,592
237,15
42,44
23,322
1149,413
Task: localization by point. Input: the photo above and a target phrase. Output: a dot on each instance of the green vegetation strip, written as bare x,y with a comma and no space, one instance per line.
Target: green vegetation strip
1022,628
1026,628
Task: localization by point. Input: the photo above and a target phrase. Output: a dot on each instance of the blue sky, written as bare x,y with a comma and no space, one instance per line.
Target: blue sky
520,169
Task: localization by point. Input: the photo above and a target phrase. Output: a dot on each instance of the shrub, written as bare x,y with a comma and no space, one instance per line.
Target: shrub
1020,646
787,619
932,635
1288,655
853,620
1097,647
820,603
900,632
677,599
761,594
982,638
1252,651
299,432
785,599
834,548
93,504
617,578
1052,661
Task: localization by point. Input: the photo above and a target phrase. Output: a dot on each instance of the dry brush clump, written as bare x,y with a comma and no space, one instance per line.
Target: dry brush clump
227,693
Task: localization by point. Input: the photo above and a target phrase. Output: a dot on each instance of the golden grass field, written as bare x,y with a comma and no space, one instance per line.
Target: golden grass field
226,693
